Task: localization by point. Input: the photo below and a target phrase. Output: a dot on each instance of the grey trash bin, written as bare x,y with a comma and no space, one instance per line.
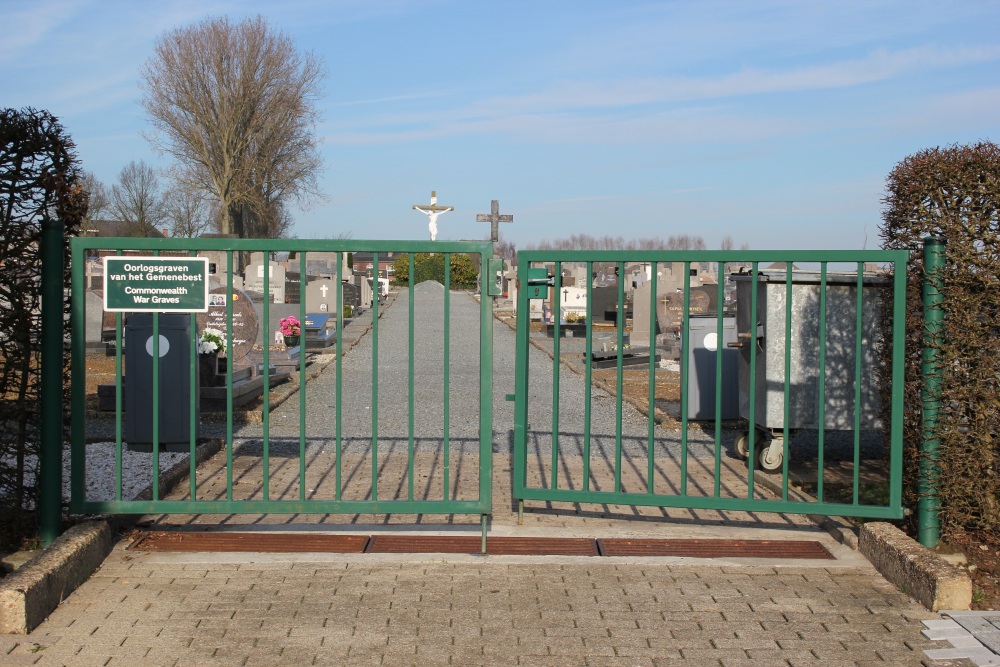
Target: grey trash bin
174,383
702,355
768,335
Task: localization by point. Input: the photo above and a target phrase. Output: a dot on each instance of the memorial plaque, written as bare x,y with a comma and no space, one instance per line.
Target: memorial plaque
246,323
316,321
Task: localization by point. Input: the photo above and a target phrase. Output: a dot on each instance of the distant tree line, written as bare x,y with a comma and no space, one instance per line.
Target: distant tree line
587,242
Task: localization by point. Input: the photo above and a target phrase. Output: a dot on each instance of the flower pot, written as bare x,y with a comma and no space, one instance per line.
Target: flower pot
208,369
292,341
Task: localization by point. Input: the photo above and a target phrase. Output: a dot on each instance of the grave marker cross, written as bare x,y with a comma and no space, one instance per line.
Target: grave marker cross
494,218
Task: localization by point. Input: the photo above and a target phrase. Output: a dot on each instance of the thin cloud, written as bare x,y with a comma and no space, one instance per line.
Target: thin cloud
649,109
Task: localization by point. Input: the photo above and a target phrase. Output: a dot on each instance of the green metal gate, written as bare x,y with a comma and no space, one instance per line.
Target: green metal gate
828,322
303,490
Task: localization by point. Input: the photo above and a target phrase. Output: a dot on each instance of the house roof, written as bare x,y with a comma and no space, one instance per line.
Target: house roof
119,228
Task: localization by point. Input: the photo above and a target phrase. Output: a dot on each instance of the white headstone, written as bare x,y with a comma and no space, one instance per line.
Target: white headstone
276,281
321,296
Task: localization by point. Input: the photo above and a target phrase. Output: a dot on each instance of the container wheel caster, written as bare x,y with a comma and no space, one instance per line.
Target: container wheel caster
771,457
742,443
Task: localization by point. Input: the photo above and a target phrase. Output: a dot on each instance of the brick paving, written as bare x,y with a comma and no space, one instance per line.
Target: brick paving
191,609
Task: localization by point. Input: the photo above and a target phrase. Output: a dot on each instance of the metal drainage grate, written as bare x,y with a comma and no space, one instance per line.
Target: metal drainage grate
495,546
251,542
469,544
695,548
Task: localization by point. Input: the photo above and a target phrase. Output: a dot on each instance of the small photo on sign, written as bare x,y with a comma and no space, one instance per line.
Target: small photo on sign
218,300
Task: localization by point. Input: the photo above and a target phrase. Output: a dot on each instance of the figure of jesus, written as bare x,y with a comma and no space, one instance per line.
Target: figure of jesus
432,212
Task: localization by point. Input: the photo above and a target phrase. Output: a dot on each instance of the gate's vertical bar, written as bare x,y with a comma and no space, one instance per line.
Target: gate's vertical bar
619,393
752,386
521,388
788,380
928,504
265,417
119,413
229,368
375,379
485,391
77,480
651,400
410,395
51,405
685,370
156,406
302,375
858,352
195,398
556,317
720,338
899,269
587,376
447,374
821,408
340,355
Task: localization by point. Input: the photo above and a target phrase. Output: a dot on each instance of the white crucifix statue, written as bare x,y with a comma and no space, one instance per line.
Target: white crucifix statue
432,212
324,289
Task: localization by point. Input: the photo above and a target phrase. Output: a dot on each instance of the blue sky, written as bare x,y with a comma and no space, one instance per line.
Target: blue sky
774,122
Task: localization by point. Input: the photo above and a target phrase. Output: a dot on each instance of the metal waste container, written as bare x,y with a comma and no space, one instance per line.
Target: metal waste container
768,334
174,383
702,369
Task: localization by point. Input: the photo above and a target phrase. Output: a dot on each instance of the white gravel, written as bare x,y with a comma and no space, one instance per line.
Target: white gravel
137,470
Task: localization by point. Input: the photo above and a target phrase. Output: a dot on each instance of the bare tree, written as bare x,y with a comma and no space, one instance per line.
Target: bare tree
506,249
235,105
98,197
727,243
187,213
685,242
136,199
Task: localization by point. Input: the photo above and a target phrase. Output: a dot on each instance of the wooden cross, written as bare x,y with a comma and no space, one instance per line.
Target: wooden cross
494,218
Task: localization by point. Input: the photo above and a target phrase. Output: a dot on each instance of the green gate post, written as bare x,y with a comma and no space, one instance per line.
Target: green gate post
50,465
930,394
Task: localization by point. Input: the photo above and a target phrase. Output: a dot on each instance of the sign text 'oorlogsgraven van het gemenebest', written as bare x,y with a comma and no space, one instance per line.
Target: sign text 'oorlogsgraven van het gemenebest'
165,284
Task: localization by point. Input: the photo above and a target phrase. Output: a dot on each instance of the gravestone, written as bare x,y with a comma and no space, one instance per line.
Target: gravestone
352,295
604,304
246,323
320,331
94,304
573,300
321,296
703,300
367,295
254,280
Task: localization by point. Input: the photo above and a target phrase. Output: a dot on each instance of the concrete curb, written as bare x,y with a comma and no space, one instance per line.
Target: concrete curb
34,590
30,594
915,569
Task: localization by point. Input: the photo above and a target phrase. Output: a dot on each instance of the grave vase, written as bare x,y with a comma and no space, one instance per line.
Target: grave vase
291,340
208,368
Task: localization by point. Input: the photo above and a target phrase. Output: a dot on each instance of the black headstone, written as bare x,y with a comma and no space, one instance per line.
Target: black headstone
352,295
